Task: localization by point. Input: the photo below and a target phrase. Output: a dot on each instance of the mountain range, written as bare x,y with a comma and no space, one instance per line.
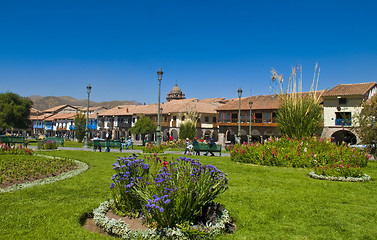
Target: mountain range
42,103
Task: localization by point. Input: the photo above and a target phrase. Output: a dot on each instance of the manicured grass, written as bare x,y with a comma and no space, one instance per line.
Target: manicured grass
266,203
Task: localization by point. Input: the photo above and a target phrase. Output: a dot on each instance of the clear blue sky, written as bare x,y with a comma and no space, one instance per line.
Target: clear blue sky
210,48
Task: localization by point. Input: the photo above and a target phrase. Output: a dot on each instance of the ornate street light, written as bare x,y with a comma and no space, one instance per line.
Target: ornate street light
239,115
158,129
250,119
86,145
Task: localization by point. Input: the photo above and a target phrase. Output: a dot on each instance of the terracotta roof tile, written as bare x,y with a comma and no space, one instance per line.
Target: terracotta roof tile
57,116
350,89
175,106
261,102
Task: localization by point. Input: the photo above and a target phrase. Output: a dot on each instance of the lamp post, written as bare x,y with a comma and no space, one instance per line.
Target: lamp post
239,115
250,105
36,132
158,129
86,145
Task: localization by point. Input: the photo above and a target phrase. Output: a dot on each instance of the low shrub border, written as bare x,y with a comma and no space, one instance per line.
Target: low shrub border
364,178
121,229
82,167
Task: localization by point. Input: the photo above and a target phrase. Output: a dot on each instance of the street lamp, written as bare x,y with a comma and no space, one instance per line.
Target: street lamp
86,145
158,129
239,115
250,105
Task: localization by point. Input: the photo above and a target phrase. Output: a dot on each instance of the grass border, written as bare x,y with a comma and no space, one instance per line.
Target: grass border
82,167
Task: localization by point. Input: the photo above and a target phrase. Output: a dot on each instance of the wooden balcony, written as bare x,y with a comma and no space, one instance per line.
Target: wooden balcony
247,124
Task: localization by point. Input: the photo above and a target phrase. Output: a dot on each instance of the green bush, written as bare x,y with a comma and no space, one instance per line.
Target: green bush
293,152
46,145
167,194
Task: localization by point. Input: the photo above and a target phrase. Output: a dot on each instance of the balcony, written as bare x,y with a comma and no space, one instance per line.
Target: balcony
343,122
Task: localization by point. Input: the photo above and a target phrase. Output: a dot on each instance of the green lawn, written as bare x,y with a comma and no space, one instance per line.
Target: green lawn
266,203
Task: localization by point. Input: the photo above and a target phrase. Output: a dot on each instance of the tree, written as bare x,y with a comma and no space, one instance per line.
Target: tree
14,111
80,124
143,126
187,129
365,123
299,114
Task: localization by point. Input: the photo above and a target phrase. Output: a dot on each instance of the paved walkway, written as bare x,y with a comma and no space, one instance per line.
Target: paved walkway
224,154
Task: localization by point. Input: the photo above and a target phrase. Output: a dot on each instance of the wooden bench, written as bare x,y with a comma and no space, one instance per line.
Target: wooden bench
107,144
204,147
58,140
12,140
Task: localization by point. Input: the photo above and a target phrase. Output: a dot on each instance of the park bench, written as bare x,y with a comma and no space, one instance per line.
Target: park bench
204,147
107,144
12,140
58,140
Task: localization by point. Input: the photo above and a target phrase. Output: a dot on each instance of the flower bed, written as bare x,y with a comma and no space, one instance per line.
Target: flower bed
15,150
326,158
81,167
46,145
121,229
306,152
363,178
152,148
165,194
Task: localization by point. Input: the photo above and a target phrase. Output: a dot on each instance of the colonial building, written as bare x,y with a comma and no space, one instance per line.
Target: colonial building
263,121
120,119
340,105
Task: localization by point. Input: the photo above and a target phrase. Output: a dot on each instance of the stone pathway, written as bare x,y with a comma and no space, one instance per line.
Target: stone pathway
224,154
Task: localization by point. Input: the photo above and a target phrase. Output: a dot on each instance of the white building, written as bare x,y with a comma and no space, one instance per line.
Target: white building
340,105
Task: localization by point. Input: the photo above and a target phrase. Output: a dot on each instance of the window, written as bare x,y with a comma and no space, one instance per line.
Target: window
234,117
342,100
343,118
258,117
274,117
243,117
214,119
267,117
227,117
174,118
206,119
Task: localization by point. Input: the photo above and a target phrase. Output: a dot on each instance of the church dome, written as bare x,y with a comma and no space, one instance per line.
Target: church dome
175,94
176,90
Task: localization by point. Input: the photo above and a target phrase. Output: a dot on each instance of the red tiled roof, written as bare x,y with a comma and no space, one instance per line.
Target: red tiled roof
261,102
57,116
350,89
175,106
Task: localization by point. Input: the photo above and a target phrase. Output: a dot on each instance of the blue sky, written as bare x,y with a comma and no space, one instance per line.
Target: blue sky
209,48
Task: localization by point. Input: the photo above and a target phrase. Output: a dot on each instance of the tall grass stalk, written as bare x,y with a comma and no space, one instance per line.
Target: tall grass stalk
300,113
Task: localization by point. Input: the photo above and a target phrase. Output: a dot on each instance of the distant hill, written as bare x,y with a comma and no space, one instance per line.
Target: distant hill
43,103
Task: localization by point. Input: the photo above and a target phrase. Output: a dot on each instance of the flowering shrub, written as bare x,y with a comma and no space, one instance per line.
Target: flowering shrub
339,169
166,194
293,152
152,148
15,150
47,145
229,147
180,143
